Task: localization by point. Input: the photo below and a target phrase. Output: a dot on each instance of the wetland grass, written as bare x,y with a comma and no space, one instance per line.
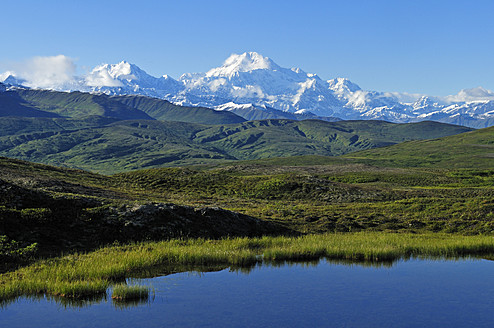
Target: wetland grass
82,275
123,292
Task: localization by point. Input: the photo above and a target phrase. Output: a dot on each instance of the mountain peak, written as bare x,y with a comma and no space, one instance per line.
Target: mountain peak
5,75
246,62
125,71
113,75
10,78
342,85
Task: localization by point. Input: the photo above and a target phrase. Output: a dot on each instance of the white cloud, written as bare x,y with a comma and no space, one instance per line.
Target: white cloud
473,94
49,72
100,77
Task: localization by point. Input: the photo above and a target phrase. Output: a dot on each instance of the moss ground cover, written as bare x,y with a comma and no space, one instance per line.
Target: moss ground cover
83,275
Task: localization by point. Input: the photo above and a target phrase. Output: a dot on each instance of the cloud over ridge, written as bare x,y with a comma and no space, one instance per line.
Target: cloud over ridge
50,72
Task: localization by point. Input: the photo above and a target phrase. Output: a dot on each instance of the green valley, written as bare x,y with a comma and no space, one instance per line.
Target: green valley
68,209
185,192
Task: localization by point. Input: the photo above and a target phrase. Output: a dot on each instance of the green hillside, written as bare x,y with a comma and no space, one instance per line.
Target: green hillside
78,104
27,125
124,145
473,149
116,133
130,145
44,103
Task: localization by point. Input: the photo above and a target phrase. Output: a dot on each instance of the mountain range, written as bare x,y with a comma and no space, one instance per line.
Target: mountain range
255,87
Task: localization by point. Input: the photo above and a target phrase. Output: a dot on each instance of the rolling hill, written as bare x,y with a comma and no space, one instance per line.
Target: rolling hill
128,145
121,133
44,103
473,150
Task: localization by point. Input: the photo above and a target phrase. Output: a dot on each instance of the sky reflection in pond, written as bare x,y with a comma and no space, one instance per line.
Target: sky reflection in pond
413,293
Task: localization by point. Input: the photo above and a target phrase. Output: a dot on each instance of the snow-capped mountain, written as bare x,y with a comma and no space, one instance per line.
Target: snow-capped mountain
9,78
126,78
250,78
249,83
370,104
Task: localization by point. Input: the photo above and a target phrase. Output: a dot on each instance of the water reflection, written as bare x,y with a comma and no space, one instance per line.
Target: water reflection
62,302
202,270
132,303
66,303
247,269
409,292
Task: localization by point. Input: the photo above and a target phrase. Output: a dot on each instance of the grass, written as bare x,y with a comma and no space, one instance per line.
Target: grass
83,275
333,198
467,150
125,292
64,210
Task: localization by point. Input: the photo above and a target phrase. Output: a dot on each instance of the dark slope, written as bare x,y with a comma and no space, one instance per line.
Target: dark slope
276,138
67,210
44,103
13,105
78,104
254,113
165,111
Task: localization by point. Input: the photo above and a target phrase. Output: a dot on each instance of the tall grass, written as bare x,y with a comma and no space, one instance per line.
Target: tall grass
82,275
126,293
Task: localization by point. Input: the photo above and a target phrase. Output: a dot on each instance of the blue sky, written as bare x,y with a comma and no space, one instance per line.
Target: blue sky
431,47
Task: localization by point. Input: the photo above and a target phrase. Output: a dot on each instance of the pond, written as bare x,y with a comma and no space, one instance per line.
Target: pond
411,293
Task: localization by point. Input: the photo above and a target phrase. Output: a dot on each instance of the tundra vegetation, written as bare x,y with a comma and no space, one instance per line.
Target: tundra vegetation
407,200
81,275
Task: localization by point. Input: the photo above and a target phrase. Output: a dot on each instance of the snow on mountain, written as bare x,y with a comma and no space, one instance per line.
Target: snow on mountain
364,101
126,78
9,78
369,104
342,87
256,86
252,78
5,75
246,62
476,109
426,105
230,106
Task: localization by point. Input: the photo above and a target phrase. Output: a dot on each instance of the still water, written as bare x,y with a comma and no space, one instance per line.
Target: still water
413,293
